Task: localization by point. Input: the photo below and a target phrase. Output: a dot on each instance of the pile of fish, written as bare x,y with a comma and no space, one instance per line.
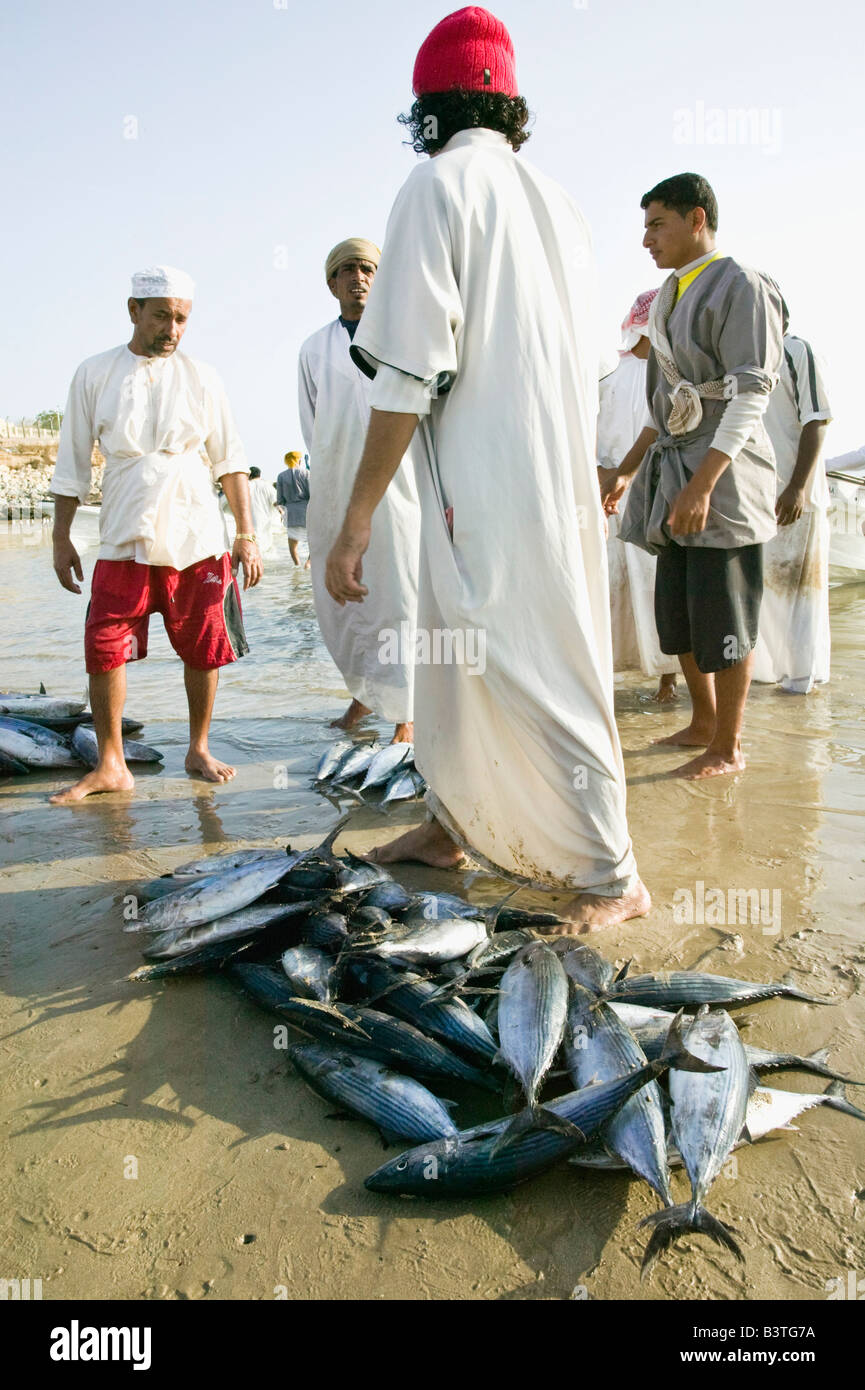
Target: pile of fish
40,731
361,768
407,998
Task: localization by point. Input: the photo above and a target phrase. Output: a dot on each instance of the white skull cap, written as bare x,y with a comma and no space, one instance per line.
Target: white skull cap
162,282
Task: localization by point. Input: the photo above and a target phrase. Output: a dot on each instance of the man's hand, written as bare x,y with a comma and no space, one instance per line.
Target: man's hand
790,505
246,553
344,569
613,487
66,560
690,511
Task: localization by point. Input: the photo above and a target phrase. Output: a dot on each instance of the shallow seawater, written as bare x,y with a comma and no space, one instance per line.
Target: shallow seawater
759,877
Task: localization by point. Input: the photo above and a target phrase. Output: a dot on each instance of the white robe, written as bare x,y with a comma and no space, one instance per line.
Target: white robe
334,414
487,285
794,644
623,414
262,502
151,418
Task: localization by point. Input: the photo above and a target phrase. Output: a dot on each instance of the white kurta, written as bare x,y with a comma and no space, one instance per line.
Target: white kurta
262,502
794,644
623,413
151,417
334,414
487,286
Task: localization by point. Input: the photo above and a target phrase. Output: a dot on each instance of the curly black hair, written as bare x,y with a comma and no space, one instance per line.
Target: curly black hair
436,116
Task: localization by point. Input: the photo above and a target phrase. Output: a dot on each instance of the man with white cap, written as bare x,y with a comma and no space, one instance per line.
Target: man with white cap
623,414
163,543
373,645
483,326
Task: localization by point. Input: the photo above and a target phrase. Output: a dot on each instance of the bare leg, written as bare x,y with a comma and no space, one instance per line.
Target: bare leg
724,753
201,693
667,692
353,715
107,698
292,549
701,688
592,911
403,733
427,844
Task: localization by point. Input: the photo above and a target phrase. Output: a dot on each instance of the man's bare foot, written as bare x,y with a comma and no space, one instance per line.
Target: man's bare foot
667,692
403,733
353,715
695,736
710,764
307,565
427,844
201,763
591,911
107,779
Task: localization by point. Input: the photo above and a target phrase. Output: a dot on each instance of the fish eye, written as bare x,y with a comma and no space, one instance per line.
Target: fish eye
401,1167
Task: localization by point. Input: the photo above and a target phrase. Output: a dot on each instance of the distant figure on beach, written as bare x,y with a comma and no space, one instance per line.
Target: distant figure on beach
703,499
483,325
794,644
163,543
622,416
292,495
374,645
262,500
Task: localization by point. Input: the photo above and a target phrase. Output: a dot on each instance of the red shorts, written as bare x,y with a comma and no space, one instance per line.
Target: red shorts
199,605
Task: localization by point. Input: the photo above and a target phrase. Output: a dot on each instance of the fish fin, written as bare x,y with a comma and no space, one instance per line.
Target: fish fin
341,1115
334,1009
673,1222
449,1104
676,1055
536,1117
819,1055
746,1137
792,991
623,972
42,690
491,916
836,1100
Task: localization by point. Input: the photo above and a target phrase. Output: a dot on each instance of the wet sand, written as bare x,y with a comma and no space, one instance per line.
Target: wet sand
245,1188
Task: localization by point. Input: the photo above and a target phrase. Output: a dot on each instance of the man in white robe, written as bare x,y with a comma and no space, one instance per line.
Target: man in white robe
794,644
623,414
482,324
262,500
372,645
163,543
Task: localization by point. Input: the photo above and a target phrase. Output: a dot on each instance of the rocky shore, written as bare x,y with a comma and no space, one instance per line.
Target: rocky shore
25,478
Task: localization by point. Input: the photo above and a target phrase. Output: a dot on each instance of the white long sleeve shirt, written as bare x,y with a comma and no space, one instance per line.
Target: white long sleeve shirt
151,417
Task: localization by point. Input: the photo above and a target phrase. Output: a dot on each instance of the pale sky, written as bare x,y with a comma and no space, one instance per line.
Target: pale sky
240,139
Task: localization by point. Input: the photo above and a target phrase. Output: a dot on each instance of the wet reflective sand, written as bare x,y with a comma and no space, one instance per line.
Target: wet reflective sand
180,1082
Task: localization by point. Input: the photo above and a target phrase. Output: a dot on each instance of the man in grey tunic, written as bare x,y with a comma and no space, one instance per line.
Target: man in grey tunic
703,498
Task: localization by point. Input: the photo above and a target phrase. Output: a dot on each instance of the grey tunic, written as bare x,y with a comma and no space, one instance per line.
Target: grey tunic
292,493
727,324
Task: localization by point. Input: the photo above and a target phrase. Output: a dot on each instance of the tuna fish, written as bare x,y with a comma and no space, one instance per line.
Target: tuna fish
85,744
382,767
412,997
207,899
330,760
533,1011
218,863
48,706
708,1118
424,942
244,923
399,1106
687,989
649,1027
35,746
405,785
474,1163
309,971
599,1046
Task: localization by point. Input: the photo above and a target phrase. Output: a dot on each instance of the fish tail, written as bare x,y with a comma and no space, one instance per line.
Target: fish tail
536,1117
792,992
673,1222
816,1063
836,1100
676,1055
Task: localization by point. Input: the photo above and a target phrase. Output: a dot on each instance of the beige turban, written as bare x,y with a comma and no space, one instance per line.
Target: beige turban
356,248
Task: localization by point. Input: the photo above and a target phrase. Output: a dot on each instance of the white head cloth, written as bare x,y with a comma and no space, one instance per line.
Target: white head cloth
162,282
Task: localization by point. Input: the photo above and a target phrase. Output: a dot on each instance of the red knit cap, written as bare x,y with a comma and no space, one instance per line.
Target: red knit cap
471,49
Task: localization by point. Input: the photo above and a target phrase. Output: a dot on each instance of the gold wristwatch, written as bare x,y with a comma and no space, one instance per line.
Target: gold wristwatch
246,536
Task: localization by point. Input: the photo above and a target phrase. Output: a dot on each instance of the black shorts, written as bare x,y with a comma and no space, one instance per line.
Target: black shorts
707,601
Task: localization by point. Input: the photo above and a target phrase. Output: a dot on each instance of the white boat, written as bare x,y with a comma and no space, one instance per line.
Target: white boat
846,476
